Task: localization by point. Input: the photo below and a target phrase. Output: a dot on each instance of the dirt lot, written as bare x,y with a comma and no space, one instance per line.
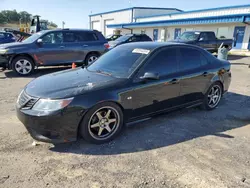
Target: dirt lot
187,148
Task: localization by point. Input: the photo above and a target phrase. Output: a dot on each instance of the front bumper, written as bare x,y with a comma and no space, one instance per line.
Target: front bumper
56,127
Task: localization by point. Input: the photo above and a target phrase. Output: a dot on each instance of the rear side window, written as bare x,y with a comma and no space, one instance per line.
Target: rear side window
70,37
85,36
146,38
163,63
191,59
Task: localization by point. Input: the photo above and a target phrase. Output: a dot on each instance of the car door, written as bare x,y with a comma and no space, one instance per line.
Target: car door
89,42
51,51
203,41
196,76
150,96
72,46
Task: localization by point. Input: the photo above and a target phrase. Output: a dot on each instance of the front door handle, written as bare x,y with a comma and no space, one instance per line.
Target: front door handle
174,81
205,74
62,46
85,45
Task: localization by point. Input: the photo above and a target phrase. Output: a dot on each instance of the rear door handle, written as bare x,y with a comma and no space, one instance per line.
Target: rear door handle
174,81
62,46
85,45
205,74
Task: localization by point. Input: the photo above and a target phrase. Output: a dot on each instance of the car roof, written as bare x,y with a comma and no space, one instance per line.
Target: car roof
135,34
5,32
45,31
154,45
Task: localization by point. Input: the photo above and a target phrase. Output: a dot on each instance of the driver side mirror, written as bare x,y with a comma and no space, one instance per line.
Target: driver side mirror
201,39
39,41
150,76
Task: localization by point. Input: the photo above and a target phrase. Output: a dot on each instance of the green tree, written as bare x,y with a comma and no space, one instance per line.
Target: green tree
25,17
2,18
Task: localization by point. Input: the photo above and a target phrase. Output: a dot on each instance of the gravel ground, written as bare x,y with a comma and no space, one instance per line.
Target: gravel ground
186,148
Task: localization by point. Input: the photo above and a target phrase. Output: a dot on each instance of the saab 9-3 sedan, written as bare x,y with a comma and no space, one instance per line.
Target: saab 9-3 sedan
129,83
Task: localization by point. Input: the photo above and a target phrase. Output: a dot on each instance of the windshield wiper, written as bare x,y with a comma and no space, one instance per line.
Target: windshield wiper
102,72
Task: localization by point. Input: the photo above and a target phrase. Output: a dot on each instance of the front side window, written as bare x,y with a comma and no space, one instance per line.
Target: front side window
204,36
191,59
163,63
53,38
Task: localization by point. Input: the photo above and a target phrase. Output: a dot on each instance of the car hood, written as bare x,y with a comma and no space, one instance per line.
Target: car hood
13,45
69,83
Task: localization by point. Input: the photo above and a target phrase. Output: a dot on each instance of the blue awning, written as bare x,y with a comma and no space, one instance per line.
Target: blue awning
238,18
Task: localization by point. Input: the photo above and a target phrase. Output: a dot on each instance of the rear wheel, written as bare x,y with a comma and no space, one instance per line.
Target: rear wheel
91,58
23,65
213,97
102,123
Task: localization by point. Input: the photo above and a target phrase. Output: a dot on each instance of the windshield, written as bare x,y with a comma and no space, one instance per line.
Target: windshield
124,38
119,62
33,37
189,36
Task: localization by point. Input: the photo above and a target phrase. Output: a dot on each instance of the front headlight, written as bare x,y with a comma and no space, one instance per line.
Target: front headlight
3,51
51,105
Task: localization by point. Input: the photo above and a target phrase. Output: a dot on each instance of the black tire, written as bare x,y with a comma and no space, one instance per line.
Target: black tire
91,134
207,104
91,58
28,64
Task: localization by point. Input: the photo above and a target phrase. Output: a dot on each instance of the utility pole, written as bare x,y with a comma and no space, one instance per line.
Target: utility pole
63,23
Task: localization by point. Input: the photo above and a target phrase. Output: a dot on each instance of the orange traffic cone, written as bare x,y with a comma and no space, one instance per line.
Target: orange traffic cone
73,65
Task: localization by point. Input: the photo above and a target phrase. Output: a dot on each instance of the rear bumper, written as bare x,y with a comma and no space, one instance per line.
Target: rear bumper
56,127
4,61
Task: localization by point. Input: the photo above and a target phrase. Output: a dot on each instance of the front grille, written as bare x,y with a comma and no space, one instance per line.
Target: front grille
26,101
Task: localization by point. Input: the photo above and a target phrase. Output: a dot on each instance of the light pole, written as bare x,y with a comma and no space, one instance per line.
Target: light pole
63,23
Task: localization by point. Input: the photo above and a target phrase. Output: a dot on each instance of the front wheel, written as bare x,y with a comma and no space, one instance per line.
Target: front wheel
213,97
102,123
23,65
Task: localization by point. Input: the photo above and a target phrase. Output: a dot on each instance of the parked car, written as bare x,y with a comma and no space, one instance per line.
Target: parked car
129,38
204,39
129,83
112,37
6,37
53,47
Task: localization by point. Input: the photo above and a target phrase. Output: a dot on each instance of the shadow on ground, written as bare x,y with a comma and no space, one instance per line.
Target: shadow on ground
172,128
236,57
38,72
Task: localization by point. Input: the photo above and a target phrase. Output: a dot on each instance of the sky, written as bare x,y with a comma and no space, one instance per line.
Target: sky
75,12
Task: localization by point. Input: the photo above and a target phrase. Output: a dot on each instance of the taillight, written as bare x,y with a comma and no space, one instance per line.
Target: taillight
106,45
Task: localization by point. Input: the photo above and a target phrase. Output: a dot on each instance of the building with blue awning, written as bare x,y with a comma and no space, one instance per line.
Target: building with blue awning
164,24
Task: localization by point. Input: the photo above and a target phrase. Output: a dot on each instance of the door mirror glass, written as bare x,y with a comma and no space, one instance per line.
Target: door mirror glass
150,76
201,39
40,41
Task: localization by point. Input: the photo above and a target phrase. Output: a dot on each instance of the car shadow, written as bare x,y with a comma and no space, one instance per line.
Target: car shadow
170,129
236,57
38,72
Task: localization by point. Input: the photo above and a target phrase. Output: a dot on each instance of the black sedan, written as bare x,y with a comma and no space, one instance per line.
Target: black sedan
131,82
